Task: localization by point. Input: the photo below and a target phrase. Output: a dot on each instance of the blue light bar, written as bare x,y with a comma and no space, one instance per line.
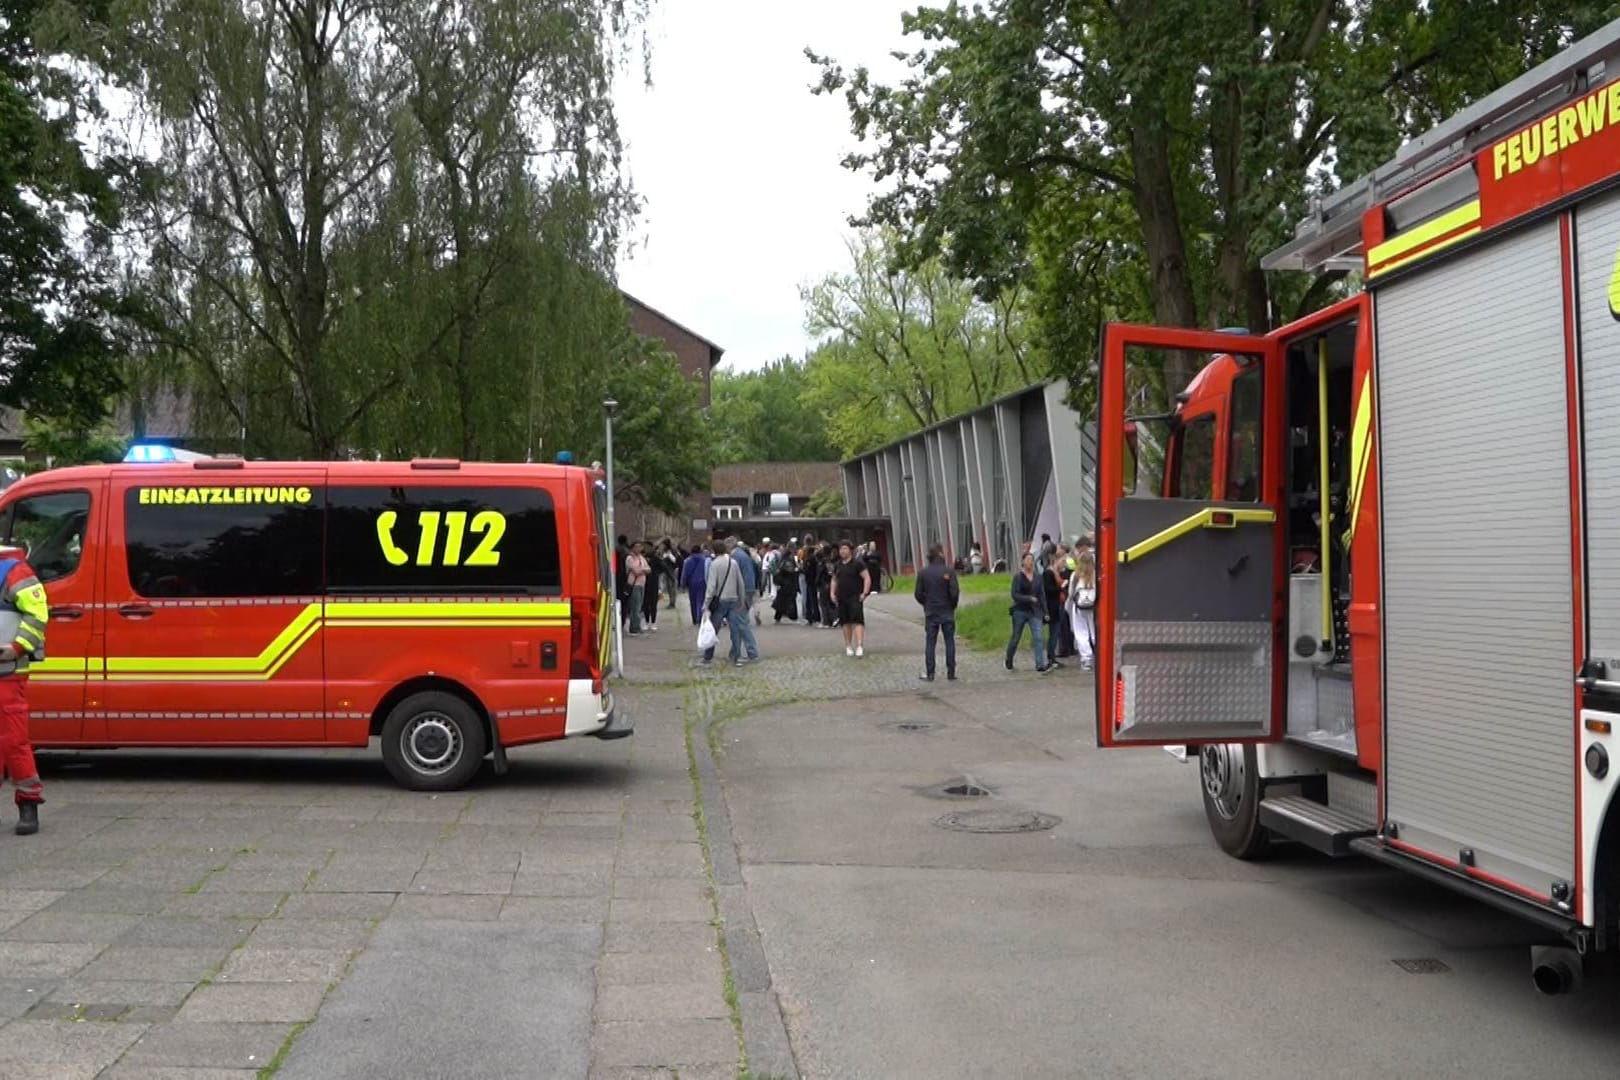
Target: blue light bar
150,452
565,457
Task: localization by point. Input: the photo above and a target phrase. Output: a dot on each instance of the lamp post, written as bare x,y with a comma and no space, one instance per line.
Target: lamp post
609,408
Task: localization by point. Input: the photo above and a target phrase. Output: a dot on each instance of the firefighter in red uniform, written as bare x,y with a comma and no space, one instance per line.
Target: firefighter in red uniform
23,614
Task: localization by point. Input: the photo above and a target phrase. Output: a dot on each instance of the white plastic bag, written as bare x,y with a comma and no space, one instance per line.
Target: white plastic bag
706,635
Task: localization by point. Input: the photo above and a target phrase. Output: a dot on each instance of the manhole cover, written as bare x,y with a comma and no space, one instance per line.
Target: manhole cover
997,821
1422,965
913,726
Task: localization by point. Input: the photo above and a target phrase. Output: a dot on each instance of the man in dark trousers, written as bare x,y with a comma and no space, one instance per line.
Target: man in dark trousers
938,592
23,614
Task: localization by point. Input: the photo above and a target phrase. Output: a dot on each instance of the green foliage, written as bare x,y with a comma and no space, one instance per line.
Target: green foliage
660,437
58,206
764,415
826,503
383,228
905,347
1134,161
67,442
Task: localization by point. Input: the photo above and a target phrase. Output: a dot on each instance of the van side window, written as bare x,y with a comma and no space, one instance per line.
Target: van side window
471,539
51,528
204,542
1243,452
1195,478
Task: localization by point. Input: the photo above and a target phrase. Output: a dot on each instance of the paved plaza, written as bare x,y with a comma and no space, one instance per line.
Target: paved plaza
780,871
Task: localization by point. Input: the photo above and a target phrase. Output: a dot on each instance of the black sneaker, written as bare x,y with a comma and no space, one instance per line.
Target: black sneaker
27,818
951,676
929,678
1009,663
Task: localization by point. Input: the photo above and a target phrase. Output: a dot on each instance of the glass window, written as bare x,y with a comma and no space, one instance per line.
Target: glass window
478,540
1243,454
1195,467
50,528
223,541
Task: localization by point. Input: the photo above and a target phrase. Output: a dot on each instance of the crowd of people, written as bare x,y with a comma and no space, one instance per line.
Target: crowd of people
808,580
822,584
1054,595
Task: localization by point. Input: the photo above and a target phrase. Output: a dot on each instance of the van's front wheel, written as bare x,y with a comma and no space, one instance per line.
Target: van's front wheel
1230,778
433,741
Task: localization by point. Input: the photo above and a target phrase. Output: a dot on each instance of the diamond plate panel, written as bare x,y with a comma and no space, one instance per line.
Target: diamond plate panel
1194,680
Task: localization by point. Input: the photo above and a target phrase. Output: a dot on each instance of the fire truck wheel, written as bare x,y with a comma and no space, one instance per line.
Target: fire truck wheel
433,741
1230,778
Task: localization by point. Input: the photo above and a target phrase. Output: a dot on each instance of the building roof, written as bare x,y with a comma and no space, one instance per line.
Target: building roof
793,477
1011,395
715,351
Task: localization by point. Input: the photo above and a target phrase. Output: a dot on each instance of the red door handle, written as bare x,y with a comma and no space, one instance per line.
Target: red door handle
135,611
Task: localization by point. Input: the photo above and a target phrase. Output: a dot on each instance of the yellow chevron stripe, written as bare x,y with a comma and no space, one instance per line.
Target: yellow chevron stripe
1360,452
303,627
1467,214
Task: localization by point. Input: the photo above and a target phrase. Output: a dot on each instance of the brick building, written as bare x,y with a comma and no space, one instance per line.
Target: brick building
697,356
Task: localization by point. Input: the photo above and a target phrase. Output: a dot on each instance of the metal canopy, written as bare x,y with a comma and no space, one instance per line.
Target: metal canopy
1330,236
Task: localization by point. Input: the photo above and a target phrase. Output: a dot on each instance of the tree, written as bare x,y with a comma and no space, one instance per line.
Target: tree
58,208
825,503
660,437
276,122
1136,160
494,87
765,415
903,348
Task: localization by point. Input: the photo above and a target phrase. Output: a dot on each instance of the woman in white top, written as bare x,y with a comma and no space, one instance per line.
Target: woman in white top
1082,608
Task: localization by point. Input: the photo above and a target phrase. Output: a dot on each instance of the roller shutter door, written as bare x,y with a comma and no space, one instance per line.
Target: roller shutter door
1478,665
1597,240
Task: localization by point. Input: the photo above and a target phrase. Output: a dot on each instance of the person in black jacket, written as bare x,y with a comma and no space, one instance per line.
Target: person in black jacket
1028,609
938,592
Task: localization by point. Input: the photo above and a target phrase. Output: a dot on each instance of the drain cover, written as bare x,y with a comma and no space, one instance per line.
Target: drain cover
1422,965
913,726
997,821
967,789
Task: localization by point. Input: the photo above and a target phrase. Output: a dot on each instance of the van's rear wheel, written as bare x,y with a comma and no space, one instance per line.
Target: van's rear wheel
433,741
1230,778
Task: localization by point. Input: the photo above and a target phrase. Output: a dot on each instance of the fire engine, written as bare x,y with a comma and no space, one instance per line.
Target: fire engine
449,609
1367,566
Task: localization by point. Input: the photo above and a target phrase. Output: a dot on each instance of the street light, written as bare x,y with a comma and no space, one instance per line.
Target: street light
609,408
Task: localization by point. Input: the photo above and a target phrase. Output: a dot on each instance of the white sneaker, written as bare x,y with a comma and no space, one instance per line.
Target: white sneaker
848,651
860,650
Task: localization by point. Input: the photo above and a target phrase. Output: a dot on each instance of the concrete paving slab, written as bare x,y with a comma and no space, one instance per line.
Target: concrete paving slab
658,1001
207,1046
142,1072
186,931
228,905
554,910
545,884
66,1049
336,906
77,991
31,959
309,934
522,995
253,1002
113,901
680,1043
460,908
644,936
19,994
285,965
72,927
144,963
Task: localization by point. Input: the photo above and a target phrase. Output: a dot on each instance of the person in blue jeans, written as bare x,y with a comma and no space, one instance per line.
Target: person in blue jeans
744,557
724,600
1028,609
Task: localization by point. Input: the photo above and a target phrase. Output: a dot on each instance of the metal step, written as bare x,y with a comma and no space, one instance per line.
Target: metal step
1314,824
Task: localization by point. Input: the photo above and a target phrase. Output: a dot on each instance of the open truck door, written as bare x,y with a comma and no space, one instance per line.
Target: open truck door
1190,548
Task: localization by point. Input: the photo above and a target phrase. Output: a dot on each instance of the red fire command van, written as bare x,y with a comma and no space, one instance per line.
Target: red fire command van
1368,565
453,609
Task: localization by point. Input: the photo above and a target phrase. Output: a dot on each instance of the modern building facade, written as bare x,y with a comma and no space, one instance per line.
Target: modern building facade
1000,476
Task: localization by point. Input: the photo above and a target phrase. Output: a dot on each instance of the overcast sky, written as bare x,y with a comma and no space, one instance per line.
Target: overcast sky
738,165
